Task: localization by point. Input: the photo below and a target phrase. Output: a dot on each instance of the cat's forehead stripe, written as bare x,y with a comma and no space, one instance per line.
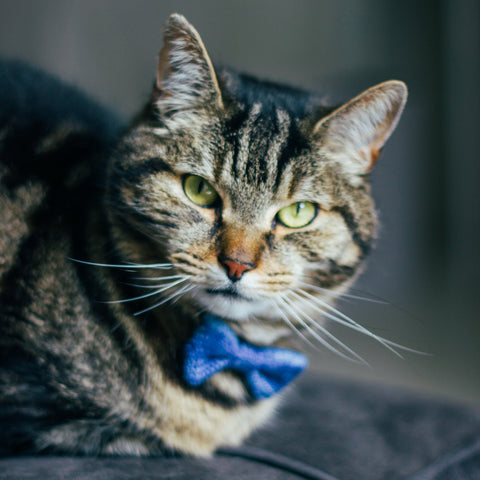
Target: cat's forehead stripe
262,145
244,140
278,142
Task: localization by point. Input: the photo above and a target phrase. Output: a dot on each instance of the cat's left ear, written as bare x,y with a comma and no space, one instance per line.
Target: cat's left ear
186,80
355,133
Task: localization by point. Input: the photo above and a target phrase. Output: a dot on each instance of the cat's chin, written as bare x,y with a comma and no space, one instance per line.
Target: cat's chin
251,319
232,307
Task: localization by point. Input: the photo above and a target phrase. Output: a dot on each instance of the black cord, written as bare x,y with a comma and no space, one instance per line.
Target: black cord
442,464
306,471
276,460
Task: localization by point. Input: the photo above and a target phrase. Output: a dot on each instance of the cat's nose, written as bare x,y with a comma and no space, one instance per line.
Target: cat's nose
235,270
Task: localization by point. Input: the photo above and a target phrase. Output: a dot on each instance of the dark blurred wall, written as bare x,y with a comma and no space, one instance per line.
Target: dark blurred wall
427,262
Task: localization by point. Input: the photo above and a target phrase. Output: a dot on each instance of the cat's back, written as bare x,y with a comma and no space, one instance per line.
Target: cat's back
50,134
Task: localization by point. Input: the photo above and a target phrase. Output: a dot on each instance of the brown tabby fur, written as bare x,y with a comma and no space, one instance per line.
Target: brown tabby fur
83,371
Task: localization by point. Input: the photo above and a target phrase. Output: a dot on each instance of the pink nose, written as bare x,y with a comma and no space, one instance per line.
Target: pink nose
234,269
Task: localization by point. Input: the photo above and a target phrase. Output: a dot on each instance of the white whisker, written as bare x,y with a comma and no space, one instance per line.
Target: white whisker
170,277
291,325
327,291
125,300
160,266
182,291
339,317
156,292
322,340
343,319
147,287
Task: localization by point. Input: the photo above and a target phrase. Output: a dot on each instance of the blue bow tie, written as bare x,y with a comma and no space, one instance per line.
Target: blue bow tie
215,347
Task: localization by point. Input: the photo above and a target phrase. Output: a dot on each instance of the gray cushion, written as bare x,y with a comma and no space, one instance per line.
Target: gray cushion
326,429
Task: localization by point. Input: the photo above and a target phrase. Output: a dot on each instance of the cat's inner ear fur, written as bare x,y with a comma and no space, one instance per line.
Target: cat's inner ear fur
186,80
355,133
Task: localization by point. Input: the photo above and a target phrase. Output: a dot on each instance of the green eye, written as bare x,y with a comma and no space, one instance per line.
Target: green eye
199,191
297,214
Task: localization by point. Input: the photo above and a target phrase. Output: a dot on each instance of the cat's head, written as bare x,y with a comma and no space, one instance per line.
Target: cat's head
254,196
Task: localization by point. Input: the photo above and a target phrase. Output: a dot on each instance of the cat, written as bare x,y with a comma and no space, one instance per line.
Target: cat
240,201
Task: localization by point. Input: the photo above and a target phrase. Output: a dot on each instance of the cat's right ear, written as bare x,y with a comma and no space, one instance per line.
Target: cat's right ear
355,133
186,81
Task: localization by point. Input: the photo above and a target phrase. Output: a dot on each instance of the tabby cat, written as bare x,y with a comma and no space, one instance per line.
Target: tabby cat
227,198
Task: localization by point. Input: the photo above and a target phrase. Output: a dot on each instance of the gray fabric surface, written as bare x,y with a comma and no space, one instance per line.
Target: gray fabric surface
356,431
330,428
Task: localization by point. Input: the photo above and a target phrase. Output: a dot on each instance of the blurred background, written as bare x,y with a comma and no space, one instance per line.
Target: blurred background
427,263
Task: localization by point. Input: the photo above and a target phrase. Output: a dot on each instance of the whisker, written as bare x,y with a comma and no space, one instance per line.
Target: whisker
144,286
161,278
343,319
125,265
322,340
316,288
115,327
170,277
291,325
182,291
140,297
125,300
300,321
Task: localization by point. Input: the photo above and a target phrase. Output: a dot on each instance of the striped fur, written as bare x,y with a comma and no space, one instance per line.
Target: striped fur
106,265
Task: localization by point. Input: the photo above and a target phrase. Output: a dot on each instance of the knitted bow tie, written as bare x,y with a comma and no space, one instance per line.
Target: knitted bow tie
215,347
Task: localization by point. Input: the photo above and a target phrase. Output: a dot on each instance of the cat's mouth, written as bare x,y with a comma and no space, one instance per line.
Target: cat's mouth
229,292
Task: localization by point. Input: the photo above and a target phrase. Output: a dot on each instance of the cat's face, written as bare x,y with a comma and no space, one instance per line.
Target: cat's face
254,197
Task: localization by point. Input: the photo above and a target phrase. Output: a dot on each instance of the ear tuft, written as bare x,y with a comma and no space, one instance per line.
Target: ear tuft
186,79
355,133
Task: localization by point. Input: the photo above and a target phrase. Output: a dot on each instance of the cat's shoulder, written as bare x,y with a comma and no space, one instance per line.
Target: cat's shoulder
48,126
52,140
29,94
